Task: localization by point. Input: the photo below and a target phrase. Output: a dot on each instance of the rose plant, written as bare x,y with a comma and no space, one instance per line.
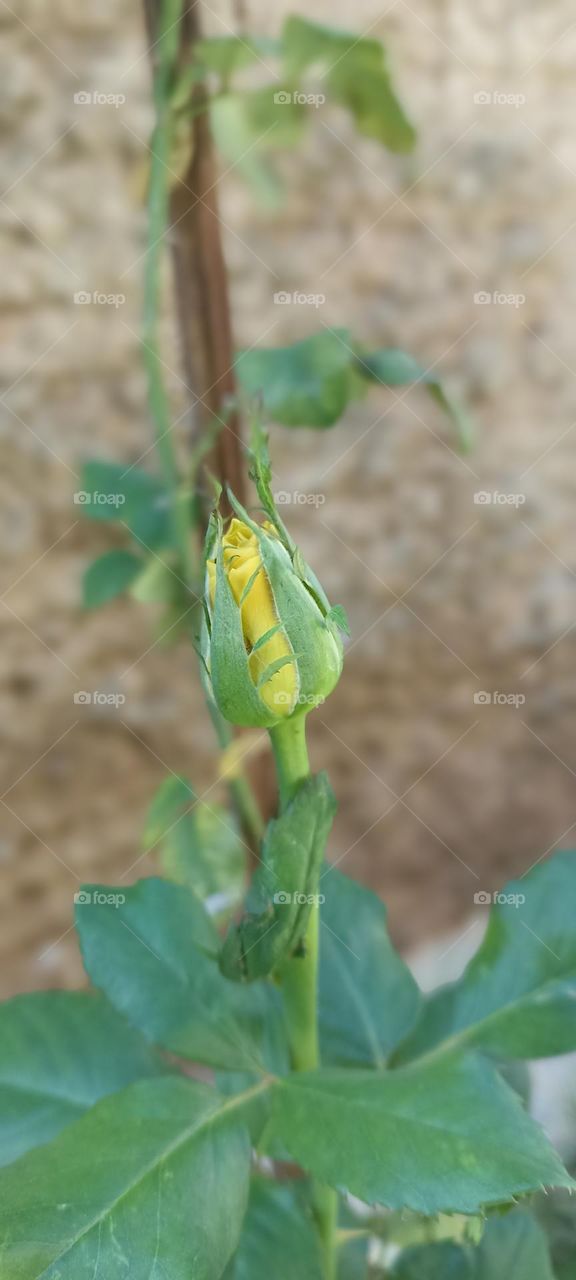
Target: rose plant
211,1104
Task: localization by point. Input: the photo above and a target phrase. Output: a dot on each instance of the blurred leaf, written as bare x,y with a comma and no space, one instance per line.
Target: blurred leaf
305,384
357,76
108,577
157,583
368,998
153,953
513,1246
428,1138
152,1181
393,367
247,125
443,1261
113,491
517,997
309,43
226,54
279,1240
200,845
60,1051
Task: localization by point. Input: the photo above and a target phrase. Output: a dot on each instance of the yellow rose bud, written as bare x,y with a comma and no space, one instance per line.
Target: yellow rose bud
270,644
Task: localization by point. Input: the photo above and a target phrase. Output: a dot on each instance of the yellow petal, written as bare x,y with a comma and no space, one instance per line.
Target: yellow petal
241,560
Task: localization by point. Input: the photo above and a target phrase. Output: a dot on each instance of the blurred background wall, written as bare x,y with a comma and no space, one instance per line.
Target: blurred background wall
440,797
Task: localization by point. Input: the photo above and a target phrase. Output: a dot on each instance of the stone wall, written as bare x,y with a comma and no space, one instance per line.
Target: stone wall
439,797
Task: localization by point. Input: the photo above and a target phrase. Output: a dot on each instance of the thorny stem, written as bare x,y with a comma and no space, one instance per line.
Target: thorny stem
165,60
299,975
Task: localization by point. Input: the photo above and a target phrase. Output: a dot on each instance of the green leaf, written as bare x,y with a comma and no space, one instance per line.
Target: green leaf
308,44
445,1261
368,998
154,955
60,1051
283,890
369,95
113,491
226,54
517,997
200,844
395,368
428,1138
279,1240
513,1246
303,385
151,1183
247,126
108,577
357,76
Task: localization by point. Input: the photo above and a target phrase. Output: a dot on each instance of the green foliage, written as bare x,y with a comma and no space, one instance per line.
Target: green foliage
117,1160
153,1179
512,1246
61,1051
135,497
311,382
278,1237
427,1138
355,74
517,996
153,950
368,1000
199,843
109,576
284,886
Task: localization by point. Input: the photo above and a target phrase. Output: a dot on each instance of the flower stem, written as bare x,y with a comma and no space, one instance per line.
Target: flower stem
299,975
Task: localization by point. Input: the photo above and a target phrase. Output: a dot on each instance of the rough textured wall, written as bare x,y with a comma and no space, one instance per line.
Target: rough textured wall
440,797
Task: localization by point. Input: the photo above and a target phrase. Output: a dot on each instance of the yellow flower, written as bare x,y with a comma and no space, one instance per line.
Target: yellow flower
245,573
